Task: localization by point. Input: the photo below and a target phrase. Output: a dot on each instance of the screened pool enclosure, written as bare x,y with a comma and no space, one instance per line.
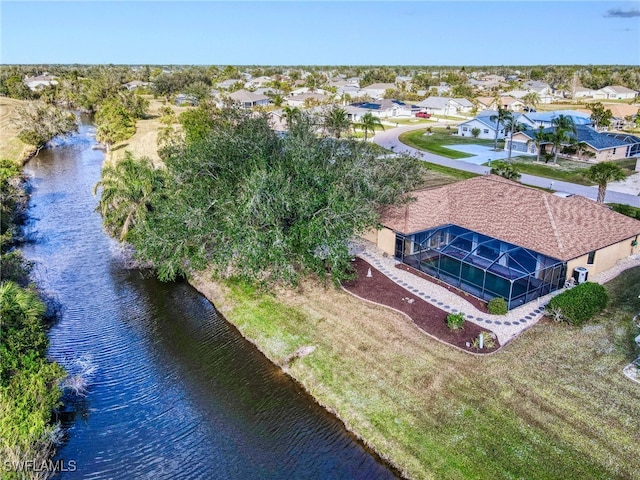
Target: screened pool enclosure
481,265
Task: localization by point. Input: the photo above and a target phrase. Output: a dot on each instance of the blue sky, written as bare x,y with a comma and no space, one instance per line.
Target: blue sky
321,33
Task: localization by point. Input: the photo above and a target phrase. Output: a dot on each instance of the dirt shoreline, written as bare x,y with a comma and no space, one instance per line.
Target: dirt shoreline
214,292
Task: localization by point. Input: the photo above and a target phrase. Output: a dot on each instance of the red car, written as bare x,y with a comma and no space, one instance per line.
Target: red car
423,115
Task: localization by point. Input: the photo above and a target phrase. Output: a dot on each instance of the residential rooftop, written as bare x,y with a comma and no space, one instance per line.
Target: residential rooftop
561,228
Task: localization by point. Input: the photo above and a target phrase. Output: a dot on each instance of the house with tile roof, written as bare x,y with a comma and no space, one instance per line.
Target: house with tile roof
376,90
493,237
245,99
598,146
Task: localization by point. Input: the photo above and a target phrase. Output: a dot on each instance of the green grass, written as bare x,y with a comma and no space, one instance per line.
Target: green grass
452,172
553,404
441,136
566,170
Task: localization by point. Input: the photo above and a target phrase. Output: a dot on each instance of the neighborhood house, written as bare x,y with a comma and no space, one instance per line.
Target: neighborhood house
493,237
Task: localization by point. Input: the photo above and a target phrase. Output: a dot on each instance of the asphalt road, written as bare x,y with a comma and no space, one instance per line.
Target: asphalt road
389,139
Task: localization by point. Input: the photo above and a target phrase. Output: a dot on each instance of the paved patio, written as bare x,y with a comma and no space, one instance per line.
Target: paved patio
506,327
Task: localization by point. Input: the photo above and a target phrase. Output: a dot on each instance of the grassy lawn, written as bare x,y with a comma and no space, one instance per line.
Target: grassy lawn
144,142
553,404
441,136
566,170
10,146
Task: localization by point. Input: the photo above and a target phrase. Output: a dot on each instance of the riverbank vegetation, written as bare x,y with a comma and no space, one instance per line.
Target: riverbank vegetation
552,404
29,390
253,205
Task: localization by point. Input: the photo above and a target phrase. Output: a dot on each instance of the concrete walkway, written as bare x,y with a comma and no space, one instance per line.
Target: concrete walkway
506,327
389,140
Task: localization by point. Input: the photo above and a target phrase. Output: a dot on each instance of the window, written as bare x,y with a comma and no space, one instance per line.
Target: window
591,258
486,130
464,129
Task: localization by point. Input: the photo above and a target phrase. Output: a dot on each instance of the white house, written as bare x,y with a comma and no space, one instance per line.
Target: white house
39,82
382,109
618,92
376,90
247,100
486,126
445,106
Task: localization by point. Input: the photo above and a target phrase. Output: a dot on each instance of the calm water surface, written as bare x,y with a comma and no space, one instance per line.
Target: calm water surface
174,391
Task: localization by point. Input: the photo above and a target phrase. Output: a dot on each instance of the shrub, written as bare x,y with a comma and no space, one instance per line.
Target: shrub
497,306
488,341
475,132
580,303
455,320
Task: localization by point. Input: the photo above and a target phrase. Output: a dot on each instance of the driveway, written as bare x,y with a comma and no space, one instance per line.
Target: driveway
481,153
389,140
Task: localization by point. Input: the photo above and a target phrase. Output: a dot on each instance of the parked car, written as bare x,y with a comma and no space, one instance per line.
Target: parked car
423,115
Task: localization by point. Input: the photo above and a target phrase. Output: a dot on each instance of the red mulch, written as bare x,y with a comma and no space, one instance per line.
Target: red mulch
381,289
475,301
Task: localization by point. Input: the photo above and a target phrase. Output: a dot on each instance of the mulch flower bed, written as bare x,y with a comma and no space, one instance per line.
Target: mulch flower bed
475,301
381,289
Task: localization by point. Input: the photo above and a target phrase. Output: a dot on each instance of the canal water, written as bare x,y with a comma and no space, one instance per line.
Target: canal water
173,390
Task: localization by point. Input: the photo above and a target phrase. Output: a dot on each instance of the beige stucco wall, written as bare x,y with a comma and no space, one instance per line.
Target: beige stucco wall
384,239
607,155
387,241
605,258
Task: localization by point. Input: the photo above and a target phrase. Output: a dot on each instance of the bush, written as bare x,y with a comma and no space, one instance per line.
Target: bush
455,320
475,132
497,306
579,304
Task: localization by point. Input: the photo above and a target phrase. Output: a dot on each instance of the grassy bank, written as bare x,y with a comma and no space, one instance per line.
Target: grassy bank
440,136
10,145
144,142
566,170
552,404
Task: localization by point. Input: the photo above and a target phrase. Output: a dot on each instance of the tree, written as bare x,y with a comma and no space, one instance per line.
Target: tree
540,137
128,190
600,116
513,126
38,123
504,169
564,132
500,117
291,114
603,173
475,132
531,100
368,123
336,122
266,209
114,123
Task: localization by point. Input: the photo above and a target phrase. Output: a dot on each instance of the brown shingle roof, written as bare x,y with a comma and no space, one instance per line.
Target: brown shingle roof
562,228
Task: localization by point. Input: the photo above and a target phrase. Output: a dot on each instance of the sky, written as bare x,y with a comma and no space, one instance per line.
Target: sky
357,32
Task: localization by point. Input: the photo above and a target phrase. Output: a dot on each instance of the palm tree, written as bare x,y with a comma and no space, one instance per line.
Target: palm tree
500,117
291,114
128,189
336,121
540,137
531,100
603,173
368,123
564,125
513,126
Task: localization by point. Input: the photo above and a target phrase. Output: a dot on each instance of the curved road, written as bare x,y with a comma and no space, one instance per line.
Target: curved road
389,139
